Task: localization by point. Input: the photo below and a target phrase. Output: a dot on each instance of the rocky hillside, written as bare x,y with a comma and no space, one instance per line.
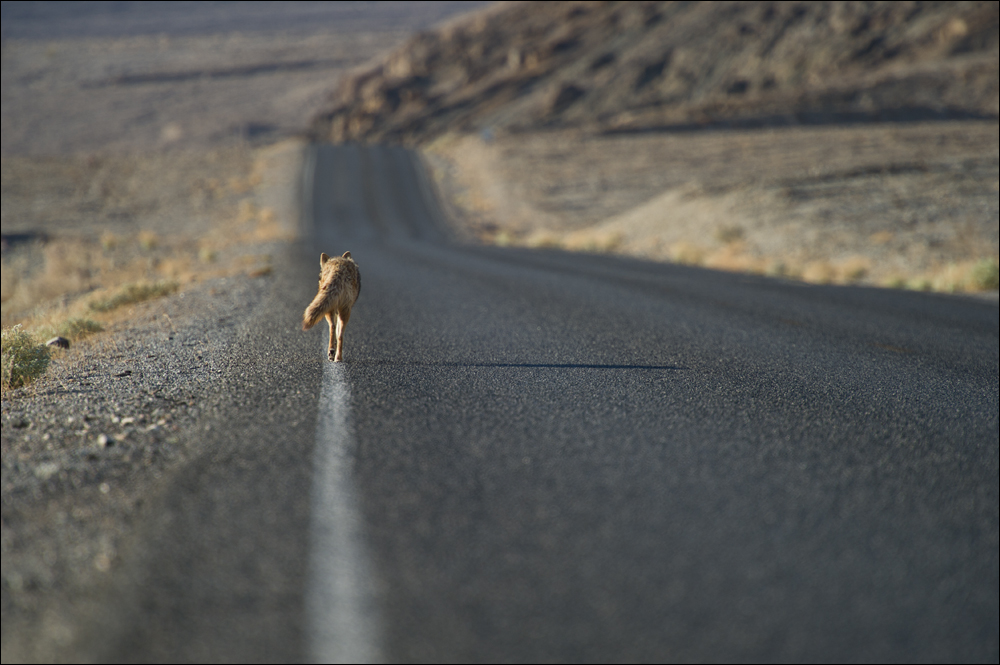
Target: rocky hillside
632,66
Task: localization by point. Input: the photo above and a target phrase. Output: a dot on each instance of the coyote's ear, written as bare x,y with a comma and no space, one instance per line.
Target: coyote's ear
323,258
347,255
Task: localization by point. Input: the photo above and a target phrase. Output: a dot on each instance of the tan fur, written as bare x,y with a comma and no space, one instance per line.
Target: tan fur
339,286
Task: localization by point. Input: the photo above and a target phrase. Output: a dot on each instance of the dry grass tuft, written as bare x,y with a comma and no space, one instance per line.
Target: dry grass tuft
593,241
130,294
148,241
819,272
109,241
543,240
263,271
687,253
729,233
854,269
78,328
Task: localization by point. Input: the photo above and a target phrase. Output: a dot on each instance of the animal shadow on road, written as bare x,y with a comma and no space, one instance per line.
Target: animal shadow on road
524,365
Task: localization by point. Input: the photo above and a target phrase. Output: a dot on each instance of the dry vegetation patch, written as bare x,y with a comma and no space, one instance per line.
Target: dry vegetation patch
902,205
118,230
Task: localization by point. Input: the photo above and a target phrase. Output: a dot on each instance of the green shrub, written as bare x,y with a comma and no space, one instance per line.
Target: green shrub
986,275
24,360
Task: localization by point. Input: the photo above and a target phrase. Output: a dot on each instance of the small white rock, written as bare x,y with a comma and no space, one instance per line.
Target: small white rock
46,470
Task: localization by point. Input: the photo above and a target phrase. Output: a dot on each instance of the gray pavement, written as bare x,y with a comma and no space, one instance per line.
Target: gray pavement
578,458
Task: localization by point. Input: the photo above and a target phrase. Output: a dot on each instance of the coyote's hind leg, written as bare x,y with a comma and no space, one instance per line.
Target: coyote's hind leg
343,316
333,331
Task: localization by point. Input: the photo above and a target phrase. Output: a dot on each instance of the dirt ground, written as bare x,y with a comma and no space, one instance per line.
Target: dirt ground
85,445
891,204
142,157
151,91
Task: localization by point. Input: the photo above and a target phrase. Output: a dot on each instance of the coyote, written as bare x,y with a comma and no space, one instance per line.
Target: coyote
339,286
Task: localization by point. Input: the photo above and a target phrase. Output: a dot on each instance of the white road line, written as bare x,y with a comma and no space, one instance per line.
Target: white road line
343,622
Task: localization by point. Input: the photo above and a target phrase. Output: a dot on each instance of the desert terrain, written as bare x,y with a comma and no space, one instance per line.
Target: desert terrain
830,142
150,162
149,176
902,206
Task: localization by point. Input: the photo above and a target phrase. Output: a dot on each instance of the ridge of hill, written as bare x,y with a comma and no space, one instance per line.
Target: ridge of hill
635,66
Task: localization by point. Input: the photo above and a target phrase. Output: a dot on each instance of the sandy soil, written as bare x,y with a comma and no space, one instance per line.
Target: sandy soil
153,91
907,204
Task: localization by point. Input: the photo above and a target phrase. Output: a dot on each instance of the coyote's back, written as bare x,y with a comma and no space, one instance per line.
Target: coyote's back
339,286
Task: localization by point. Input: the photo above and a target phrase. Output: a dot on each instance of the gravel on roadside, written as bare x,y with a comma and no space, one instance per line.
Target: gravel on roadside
89,442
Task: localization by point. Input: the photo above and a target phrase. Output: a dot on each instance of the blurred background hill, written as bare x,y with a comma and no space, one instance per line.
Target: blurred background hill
833,142
674,65
844,142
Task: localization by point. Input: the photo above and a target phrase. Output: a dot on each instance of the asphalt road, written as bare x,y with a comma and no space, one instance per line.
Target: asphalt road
539,456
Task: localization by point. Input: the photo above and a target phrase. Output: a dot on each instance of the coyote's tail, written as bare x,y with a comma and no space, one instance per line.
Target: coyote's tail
316,310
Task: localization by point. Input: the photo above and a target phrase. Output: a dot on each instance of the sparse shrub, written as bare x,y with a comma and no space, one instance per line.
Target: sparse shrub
77,329
776,269
854,270
542,240
207,255
133,293
986,275
896,282
74,329
148,241
609,242
267,216
819,272
728,234
239,185
108,241
9,279
683,252
24,360
247,211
